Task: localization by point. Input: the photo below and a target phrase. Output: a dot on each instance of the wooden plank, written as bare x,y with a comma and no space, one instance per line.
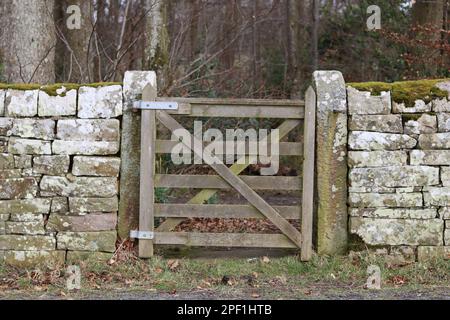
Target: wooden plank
286,148
236,111
222,211
244,102
204,195
308,175
244,240
216,182
147,187
240,186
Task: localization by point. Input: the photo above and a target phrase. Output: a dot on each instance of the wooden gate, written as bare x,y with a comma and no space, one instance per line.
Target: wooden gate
294,112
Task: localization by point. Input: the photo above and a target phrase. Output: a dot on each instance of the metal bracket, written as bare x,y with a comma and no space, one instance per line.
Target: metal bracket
142,235
152,105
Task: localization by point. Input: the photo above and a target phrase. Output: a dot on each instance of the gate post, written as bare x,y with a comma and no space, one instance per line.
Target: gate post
331,162
133,85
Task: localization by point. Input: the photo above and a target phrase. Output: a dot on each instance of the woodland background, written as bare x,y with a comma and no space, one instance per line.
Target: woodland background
223,48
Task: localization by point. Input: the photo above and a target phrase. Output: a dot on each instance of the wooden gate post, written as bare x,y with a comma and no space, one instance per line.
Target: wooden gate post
147,173
308,174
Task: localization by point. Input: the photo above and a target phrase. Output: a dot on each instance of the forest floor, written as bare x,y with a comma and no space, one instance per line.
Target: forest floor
232,278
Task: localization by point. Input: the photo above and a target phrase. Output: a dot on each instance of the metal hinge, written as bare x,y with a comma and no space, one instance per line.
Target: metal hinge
152,105
142,235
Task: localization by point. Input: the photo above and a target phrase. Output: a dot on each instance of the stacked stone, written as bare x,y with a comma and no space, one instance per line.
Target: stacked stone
59,169
399,160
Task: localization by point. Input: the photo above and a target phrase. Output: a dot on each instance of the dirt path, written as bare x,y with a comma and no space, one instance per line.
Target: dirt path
432,293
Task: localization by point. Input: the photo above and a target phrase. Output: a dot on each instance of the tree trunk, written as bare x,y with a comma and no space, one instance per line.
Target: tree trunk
315,33
75,52
156,46
429,14
28,41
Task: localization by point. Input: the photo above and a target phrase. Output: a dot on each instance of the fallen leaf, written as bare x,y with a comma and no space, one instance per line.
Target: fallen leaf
265,259
173,264
255,295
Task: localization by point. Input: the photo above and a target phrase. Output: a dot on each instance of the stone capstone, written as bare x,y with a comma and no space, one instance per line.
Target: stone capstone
59,105
419,107
101,102
21,103
362,102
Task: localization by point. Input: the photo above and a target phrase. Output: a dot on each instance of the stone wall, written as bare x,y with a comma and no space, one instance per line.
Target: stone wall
59,169
399,173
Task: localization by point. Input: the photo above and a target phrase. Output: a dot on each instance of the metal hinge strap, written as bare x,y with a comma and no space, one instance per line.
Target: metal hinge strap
142,235
155,105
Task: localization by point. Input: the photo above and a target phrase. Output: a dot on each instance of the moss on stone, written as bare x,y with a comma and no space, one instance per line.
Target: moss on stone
406,92
19,86
51,89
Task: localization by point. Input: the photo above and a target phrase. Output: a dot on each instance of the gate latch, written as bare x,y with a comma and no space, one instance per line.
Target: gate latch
155,105
142,235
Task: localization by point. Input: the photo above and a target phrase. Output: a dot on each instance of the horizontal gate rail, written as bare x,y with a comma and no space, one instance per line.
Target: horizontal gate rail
221,211
243,240
215,182
239,108
286,148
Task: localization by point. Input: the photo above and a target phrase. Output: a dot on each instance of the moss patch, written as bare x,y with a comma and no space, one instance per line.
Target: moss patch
51,89
406,92
23,86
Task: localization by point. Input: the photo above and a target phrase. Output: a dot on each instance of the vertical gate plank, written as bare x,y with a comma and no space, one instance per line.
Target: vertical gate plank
308,174
147,174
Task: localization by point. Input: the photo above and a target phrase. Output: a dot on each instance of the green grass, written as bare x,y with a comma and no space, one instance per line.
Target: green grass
285,277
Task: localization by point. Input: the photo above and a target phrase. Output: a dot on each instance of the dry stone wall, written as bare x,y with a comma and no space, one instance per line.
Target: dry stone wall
59,170
399,173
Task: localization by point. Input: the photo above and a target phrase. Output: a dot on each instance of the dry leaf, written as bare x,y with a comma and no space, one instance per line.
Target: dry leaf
255,295
265,259
173,264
